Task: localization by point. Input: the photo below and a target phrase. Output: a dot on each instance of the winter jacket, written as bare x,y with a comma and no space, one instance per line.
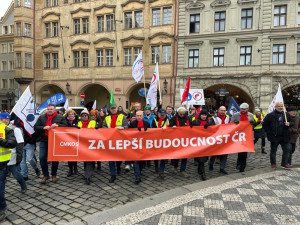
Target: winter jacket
149,119
74,124
295,130
182,121
134,124
9,142
28,138
41,123
17,152
164,122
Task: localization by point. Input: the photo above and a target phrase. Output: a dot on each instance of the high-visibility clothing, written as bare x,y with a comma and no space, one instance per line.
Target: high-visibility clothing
92,124
163,123
119,121
5,153
259,126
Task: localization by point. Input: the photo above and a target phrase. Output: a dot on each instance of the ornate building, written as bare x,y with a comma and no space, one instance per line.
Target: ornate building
89,46
245,47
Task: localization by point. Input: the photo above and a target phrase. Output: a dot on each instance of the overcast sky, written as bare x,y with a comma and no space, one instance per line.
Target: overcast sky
4,6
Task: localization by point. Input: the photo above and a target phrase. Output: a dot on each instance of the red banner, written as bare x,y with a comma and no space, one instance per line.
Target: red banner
110,144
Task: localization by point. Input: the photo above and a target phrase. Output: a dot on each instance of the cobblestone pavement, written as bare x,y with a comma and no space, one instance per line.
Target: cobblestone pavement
70,199
271,198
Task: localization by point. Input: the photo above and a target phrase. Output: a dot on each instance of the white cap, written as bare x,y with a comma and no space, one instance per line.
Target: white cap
181,109
244,106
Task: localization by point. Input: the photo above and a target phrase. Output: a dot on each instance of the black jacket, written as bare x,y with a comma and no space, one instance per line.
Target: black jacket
41,123
271,124
182,121
9,142
31,139
134,124
74,124
196,122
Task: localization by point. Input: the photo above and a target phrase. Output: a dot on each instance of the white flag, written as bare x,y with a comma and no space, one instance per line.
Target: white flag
26,110
278,98
94,105
138,68
152,93
66,105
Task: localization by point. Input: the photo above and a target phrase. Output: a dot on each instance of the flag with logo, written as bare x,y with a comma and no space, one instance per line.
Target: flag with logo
94,105
233,107
26,110
185,94
152,93
66,105
112,100
138,68
278,98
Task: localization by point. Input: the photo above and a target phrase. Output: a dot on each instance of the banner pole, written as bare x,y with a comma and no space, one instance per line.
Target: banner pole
284,110
145,88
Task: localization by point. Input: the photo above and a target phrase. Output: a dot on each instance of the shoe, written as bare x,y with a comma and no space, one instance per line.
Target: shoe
88,181
242,170
8,174
137,181
203,176
37,172
26,178
112,179
286,167
127,168
161,176
118,171
70,173
156,169
44,179
263,151
184,174
2,215
175,170
211,167
223,171
273,166
23,189
54,179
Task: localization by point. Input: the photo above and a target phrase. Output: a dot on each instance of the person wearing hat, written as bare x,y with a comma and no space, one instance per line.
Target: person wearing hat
50,120
243,115
277,124
294,131
259,132
7,142
203,121
119,121
62,111
85,122
180,120
148,115
161,121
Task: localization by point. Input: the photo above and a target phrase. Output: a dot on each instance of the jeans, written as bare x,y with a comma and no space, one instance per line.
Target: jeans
3,174
136,168
28,156
161,165
285,152
44,162
292,150
223,160
112,167
15,170
182,165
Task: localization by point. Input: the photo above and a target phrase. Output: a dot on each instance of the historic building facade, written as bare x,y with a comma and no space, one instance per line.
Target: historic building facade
8,86
89,46
245,47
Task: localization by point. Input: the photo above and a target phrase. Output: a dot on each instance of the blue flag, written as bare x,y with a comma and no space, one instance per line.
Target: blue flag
233,107
54,99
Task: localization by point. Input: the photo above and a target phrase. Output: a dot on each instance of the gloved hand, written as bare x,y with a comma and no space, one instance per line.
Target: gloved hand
145,129
237,122
205,126
140,129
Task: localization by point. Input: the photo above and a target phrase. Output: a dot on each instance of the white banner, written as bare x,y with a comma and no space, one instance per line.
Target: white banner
196,97
138,68
94,105
66,105
278,98
152,93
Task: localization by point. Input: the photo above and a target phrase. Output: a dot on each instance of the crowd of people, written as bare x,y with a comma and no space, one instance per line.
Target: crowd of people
17,146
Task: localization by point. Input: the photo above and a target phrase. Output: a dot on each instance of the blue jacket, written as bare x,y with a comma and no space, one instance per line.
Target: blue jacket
149,119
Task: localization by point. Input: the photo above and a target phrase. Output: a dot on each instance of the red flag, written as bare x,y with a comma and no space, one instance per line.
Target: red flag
185,94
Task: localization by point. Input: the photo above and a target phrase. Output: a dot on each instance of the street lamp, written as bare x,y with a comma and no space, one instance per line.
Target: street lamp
165,86
10,96
68,88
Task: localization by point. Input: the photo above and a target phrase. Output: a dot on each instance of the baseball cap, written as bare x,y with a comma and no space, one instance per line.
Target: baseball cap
162,111
113,105
147,107
4,115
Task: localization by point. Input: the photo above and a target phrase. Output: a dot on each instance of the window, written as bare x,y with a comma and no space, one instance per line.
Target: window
167,15
218,56
47,30
109,22
166,53
27,3
12,29
109,57
298,53
100,20
299,14
155,17
85,25
195,23
12,83
193,58
128,20
99,54
127,56
138,19
154,54
28,60
55,29
4,66
4,48
11,65
27,29
18,60
5,30
55,60
47,60
18,2
18,29
220,21
76,26
11,47
4,84
55,3
85,58
76,58
47,3
76,1
136,52
278,54
280,15
246,21
245,55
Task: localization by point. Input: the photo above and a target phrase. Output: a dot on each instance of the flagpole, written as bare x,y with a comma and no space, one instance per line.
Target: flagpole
284,113
145,89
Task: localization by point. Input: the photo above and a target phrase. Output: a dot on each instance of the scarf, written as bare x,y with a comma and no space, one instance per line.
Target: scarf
85,124
187,122
259,117
49,121
159,122
202,122
222,118
140,124
113,122
70,120
244,117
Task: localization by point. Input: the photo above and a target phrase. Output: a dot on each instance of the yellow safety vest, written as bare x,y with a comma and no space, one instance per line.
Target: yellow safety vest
165,124
119,121
92,124
259,126
5,153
